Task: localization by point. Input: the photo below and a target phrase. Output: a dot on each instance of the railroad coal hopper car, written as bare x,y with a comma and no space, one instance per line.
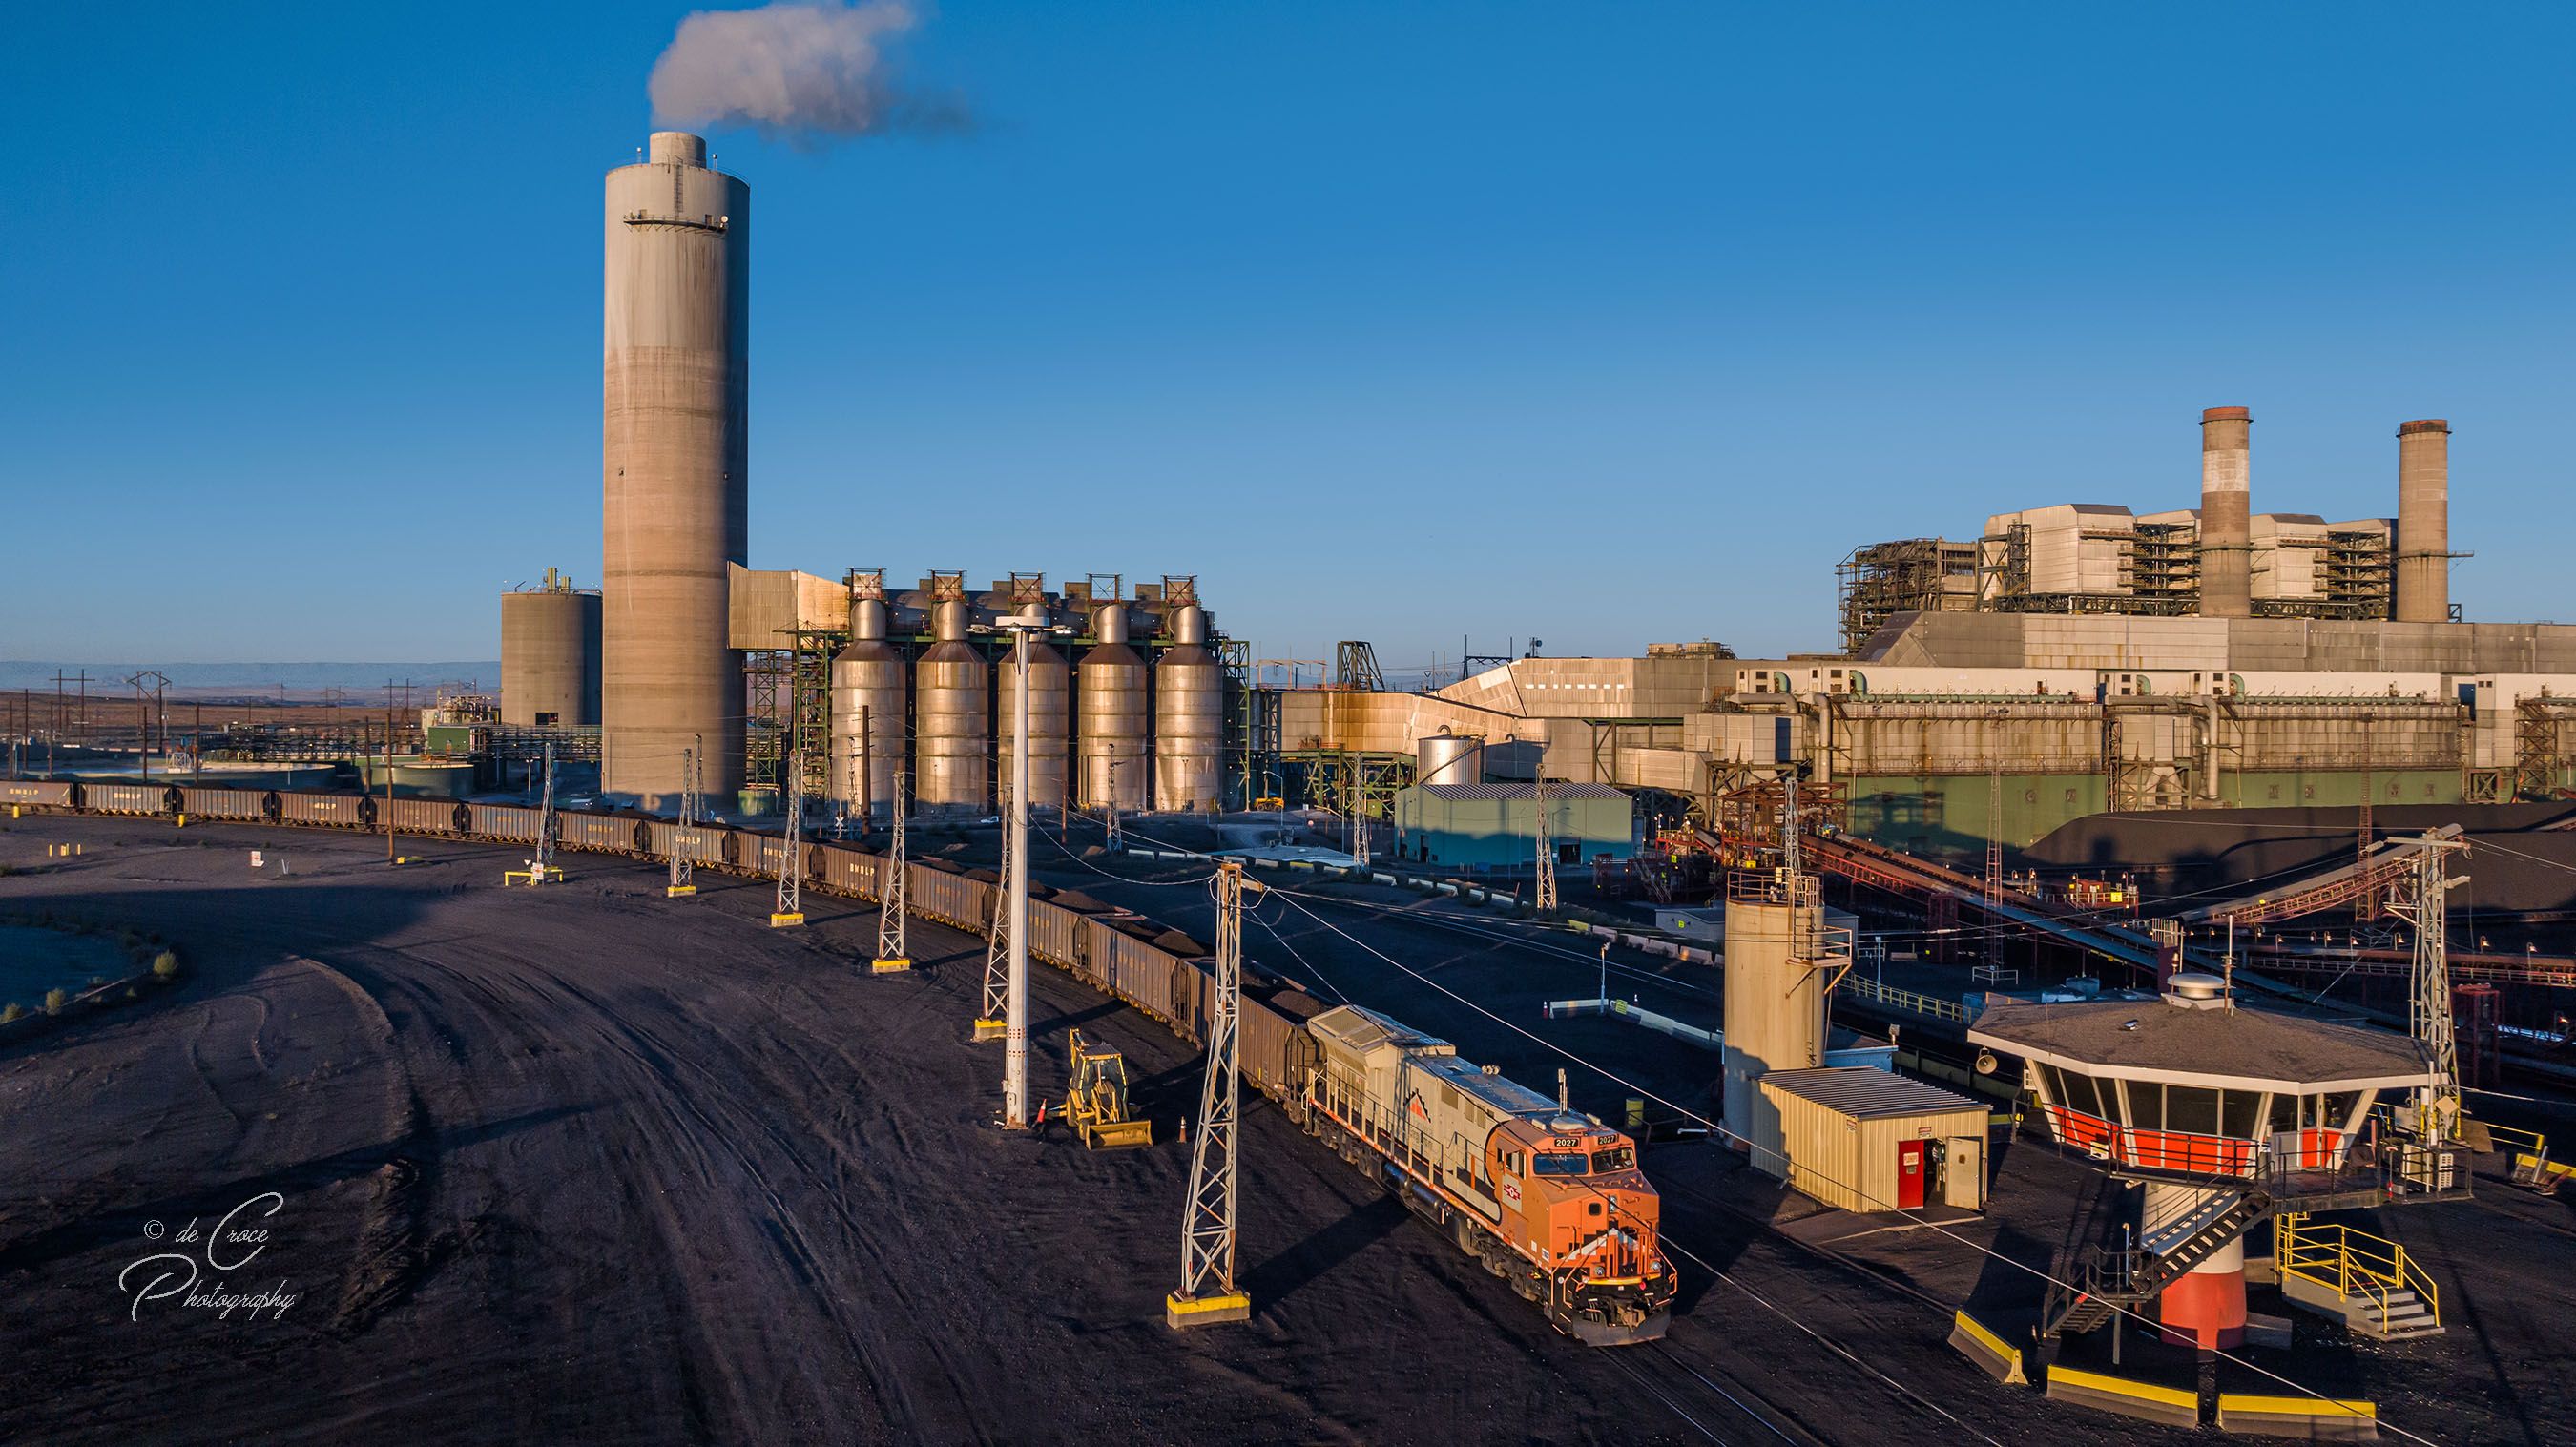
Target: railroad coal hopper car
1546,1198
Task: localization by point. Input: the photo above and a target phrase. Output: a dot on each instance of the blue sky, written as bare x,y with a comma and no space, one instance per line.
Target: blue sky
1401,322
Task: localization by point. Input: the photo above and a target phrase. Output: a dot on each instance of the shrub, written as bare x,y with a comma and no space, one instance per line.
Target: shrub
165,965
55,1000
12,1013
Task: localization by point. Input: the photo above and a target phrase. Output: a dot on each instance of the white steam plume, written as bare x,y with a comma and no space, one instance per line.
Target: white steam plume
805,71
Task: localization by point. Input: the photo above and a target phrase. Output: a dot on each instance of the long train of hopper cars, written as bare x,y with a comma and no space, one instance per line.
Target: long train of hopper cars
1549,1200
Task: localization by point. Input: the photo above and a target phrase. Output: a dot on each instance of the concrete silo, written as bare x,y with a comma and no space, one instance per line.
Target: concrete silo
550,654
674,469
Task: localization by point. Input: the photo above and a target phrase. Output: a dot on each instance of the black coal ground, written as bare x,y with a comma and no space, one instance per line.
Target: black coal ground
590,1164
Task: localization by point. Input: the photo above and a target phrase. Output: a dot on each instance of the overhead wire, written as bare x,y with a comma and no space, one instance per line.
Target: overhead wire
1718,1128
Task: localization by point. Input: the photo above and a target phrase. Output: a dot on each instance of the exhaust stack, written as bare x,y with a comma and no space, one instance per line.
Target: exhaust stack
2226,546
2424,521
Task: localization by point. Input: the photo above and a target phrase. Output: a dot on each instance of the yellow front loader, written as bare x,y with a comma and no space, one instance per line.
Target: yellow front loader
1096,1106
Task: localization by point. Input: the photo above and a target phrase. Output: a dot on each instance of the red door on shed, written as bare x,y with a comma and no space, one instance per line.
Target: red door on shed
1909,1174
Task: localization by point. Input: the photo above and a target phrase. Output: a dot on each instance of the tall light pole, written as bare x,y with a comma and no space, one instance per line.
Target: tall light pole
1030,620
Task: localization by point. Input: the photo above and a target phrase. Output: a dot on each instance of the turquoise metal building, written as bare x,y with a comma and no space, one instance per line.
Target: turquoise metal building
1495,825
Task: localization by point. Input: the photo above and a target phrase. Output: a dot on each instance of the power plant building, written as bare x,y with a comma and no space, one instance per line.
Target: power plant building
2216,560
1494,826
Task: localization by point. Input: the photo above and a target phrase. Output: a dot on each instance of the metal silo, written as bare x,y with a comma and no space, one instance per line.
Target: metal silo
1111,682
550,654
953,717
674,467
1447,758
1050,699
1189,715
870,682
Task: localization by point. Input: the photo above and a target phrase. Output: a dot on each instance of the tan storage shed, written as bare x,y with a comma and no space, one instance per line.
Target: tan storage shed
1871,1140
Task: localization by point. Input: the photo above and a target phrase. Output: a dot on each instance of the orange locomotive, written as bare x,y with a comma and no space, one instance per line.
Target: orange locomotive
1548,1199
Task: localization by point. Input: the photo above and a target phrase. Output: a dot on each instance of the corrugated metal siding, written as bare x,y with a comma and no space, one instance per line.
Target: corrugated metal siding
426,816
600,832
41,793
223,803
1055,935
128,798
847,871
1850,1163
948,898
505,821
1863,1092
347,810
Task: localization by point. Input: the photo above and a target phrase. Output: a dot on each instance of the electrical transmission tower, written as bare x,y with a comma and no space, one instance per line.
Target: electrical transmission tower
990,1023
1208,1293
893,955
683,839
1544,896
791,865
2425,902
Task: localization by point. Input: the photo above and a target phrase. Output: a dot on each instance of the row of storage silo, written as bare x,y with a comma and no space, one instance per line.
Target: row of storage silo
1107,728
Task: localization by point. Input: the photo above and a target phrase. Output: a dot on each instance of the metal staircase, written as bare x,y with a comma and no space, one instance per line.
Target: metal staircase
2107,1278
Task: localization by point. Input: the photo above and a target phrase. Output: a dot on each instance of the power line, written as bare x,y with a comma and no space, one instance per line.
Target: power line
1293,897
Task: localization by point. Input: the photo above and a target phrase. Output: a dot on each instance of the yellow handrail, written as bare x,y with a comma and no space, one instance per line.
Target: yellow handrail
2530,1142
2354,1264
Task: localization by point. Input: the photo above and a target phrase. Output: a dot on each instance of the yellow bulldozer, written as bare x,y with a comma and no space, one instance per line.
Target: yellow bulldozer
1096,1105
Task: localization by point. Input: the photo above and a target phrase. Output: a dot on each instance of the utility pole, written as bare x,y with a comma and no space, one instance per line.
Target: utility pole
683,874
991,1021
791,867
390,856
1015,1017
542,868
1544,895
1208,1293
893,954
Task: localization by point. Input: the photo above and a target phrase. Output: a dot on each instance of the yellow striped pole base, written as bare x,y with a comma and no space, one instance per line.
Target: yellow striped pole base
991,1029
676,890
1186,1311
785,921
894,966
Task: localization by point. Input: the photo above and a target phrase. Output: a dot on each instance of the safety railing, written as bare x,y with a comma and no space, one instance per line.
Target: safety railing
1908,1000
2353,1264
2513,1140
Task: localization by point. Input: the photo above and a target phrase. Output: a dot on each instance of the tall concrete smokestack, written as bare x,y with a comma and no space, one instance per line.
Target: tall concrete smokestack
674,465
2226,584
2424,521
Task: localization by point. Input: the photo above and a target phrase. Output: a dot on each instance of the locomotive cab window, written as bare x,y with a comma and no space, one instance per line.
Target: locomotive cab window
1561,1163
1621,1158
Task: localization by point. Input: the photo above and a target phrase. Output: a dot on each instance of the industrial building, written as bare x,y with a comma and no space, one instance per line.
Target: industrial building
688,671
1495,826
2218,560
1872,1140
